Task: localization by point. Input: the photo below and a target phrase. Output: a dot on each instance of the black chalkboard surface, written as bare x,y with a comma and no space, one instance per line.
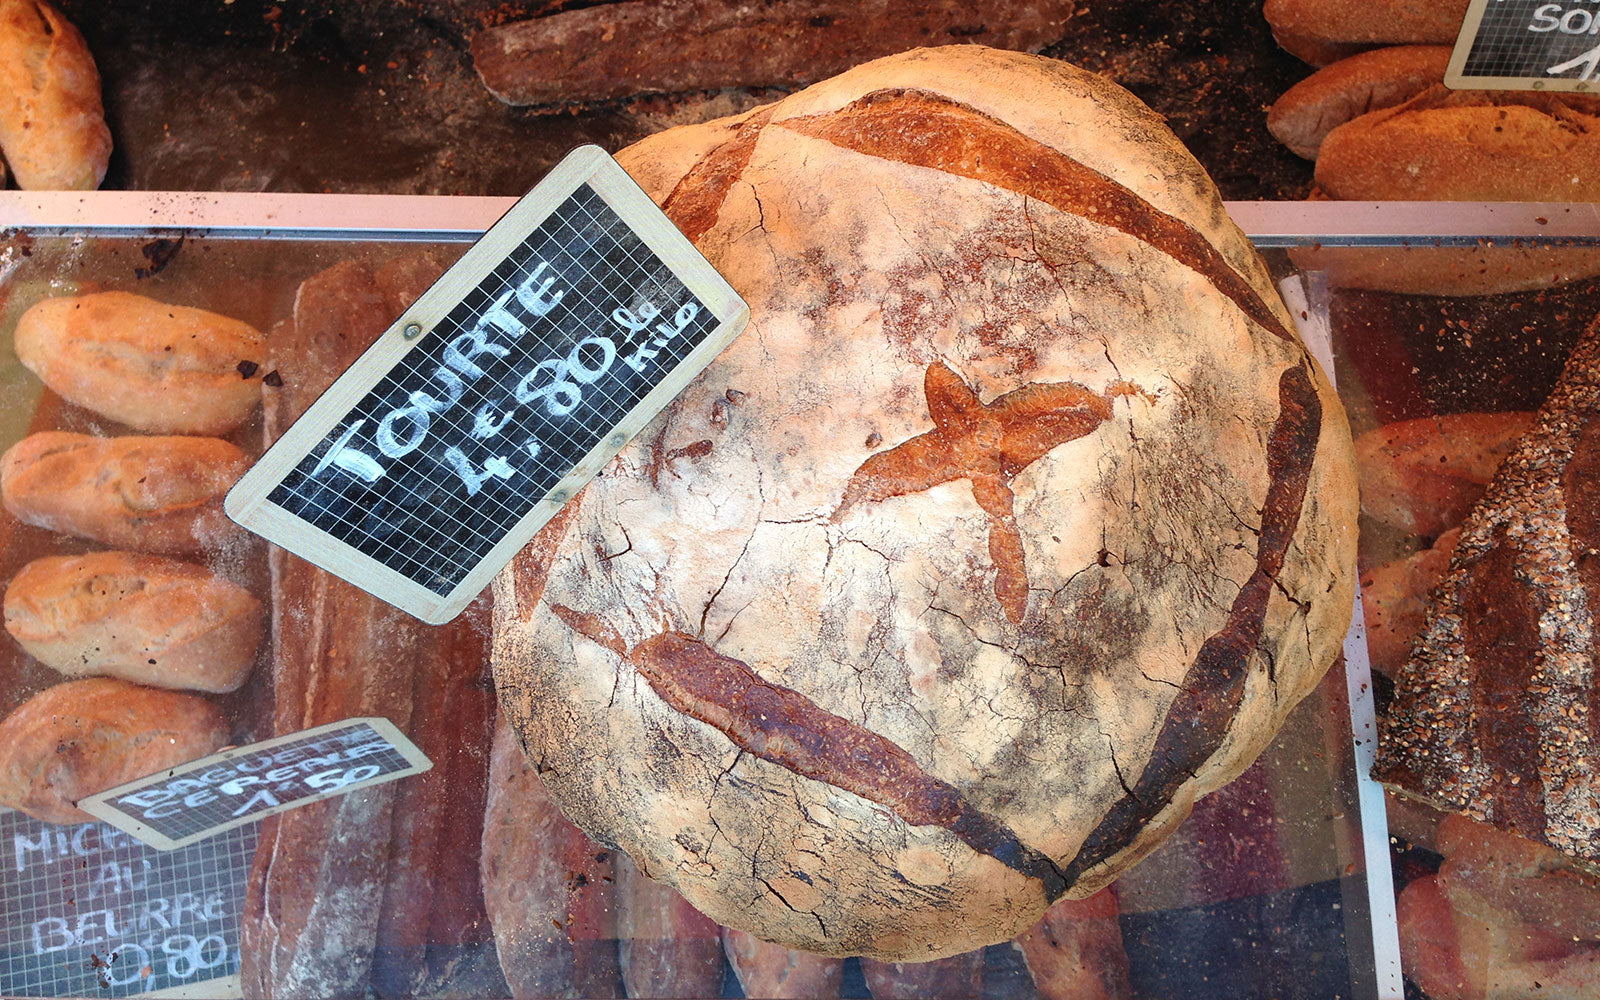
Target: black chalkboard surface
184,805
499,393
1527,45
90,912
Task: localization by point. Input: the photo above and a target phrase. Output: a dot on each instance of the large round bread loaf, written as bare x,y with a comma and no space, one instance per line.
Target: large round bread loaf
1017,519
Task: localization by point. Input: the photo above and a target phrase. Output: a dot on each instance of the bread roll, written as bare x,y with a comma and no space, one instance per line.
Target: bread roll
1075,951
1452,271
1328,98
1367,22
958,575
138,617
667,947
151,494
52,127
85,736
958,976
156,367
1423,476
1466,145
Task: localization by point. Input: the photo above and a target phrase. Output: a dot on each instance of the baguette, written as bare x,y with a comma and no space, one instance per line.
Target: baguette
1367,22
85,736
1394,601
52,126
142,618
151,494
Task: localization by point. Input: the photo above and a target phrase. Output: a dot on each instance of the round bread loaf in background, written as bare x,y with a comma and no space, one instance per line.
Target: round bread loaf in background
1016,520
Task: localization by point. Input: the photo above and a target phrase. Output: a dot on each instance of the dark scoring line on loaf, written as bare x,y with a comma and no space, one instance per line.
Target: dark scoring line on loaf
696,200
927,130
1199,718
784,727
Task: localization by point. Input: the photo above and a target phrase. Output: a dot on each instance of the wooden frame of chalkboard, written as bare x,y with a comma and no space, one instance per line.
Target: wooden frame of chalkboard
1527,45
184,805
426,529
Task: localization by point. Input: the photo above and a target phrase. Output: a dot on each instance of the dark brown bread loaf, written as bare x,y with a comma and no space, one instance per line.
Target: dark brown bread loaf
771,970
1075,951
83,737
940,577
346,893
668,948
551,890
1352,87
1494,713
652,46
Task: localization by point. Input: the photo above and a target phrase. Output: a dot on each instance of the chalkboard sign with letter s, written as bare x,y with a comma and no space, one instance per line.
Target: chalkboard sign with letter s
497,395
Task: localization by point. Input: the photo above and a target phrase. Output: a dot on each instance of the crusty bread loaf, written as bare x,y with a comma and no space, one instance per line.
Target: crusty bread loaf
1075,951
52,127
139,617
1394,601
957,976
667,947
156,367
1466,145
1424,475
1352,87
1492,712
593,53
85,736
771,970
1367,22
150,494
550,889
949,571
1446,270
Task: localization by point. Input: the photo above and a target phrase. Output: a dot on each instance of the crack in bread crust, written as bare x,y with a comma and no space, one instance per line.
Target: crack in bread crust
928,130
1199,718
784,727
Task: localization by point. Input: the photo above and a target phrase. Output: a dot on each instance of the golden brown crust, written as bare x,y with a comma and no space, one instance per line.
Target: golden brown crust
151,494
156,367
139,617
1352,87
85,736
52,127
1459,145
1382,22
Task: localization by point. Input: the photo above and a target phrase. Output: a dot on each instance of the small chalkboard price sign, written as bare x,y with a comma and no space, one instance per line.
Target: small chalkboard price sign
1527,45
90,912
182,806
501,391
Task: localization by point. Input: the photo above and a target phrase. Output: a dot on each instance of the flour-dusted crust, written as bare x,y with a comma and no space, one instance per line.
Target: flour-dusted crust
1017,519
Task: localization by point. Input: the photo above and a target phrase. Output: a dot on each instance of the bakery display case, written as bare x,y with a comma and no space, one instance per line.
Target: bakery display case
1282,883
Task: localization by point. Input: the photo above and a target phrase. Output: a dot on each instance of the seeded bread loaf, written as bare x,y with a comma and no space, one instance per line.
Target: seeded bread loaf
962,595
1493,713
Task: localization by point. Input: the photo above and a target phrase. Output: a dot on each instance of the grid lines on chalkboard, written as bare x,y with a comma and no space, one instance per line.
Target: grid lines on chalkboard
1505,46
89,911
421,519
312,755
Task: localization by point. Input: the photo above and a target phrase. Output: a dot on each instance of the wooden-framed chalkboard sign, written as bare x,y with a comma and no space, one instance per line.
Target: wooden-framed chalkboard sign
501,391
1527,45
184,805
